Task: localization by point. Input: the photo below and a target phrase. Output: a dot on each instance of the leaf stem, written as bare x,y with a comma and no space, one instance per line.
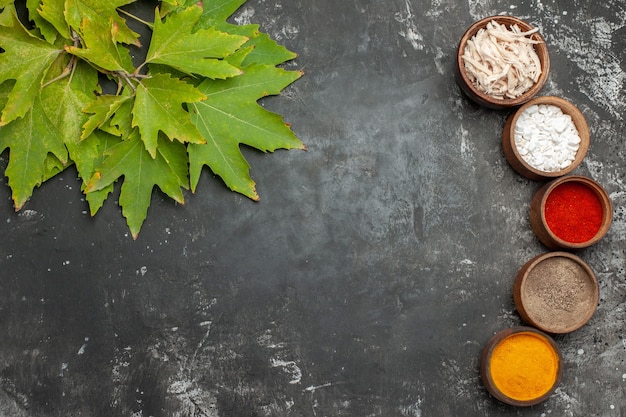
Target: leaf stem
132,16
76,38
68,70
136,73
125,76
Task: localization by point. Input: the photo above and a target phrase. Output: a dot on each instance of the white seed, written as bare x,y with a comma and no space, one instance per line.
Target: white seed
546,138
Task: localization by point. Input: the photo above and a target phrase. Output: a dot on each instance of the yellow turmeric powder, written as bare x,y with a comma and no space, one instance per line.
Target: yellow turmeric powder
524,366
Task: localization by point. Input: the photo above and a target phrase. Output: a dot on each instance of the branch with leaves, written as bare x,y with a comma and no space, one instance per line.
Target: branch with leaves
189,105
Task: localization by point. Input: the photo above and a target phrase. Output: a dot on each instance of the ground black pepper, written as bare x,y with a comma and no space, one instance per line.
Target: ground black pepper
558,293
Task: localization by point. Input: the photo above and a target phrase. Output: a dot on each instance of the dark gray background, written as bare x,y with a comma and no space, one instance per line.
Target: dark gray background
373,270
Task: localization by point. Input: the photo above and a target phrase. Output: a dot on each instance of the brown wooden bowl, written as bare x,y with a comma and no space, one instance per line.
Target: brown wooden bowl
498,365
556,292
538,213
483,99
517,161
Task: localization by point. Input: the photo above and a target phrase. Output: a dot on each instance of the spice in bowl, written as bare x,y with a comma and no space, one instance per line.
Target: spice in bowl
571,212
521,366
545,138
556,292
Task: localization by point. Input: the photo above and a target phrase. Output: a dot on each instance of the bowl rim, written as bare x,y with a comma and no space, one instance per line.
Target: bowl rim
468,86
566,107
520,296
486,359
602,195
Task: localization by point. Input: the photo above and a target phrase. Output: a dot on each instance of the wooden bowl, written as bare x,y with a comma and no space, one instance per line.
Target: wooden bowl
521,366
556,292
483,99
511,150
551,239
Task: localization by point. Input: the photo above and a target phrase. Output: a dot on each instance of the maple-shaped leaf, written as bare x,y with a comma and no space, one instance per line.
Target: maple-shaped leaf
111,114
30,140
121,124
53,11
175,43
104,11
64,99
53,166
40,140
142,172
47,29
221,10
102,110
194,106
101,48
265,49
169,6
231,116
5,90
5,16
158,107
26,59
89,153
62,102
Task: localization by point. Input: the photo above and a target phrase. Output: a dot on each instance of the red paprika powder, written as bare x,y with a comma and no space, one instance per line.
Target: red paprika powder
573,212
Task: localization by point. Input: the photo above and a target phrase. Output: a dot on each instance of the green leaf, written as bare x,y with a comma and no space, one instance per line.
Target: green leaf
30,139
47,30
141,172
6,18
103,108
64,99
101,47
89,154
159,107
221,10
38,141
102,12
5,90
174,43
52,166
53,11
26,60
194,106
121,123
231,116
173,6
266,50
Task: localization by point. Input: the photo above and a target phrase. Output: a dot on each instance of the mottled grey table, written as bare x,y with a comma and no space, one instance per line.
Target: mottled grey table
373,270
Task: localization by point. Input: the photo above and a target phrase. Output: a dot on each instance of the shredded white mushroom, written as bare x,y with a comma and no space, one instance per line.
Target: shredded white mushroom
502,62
